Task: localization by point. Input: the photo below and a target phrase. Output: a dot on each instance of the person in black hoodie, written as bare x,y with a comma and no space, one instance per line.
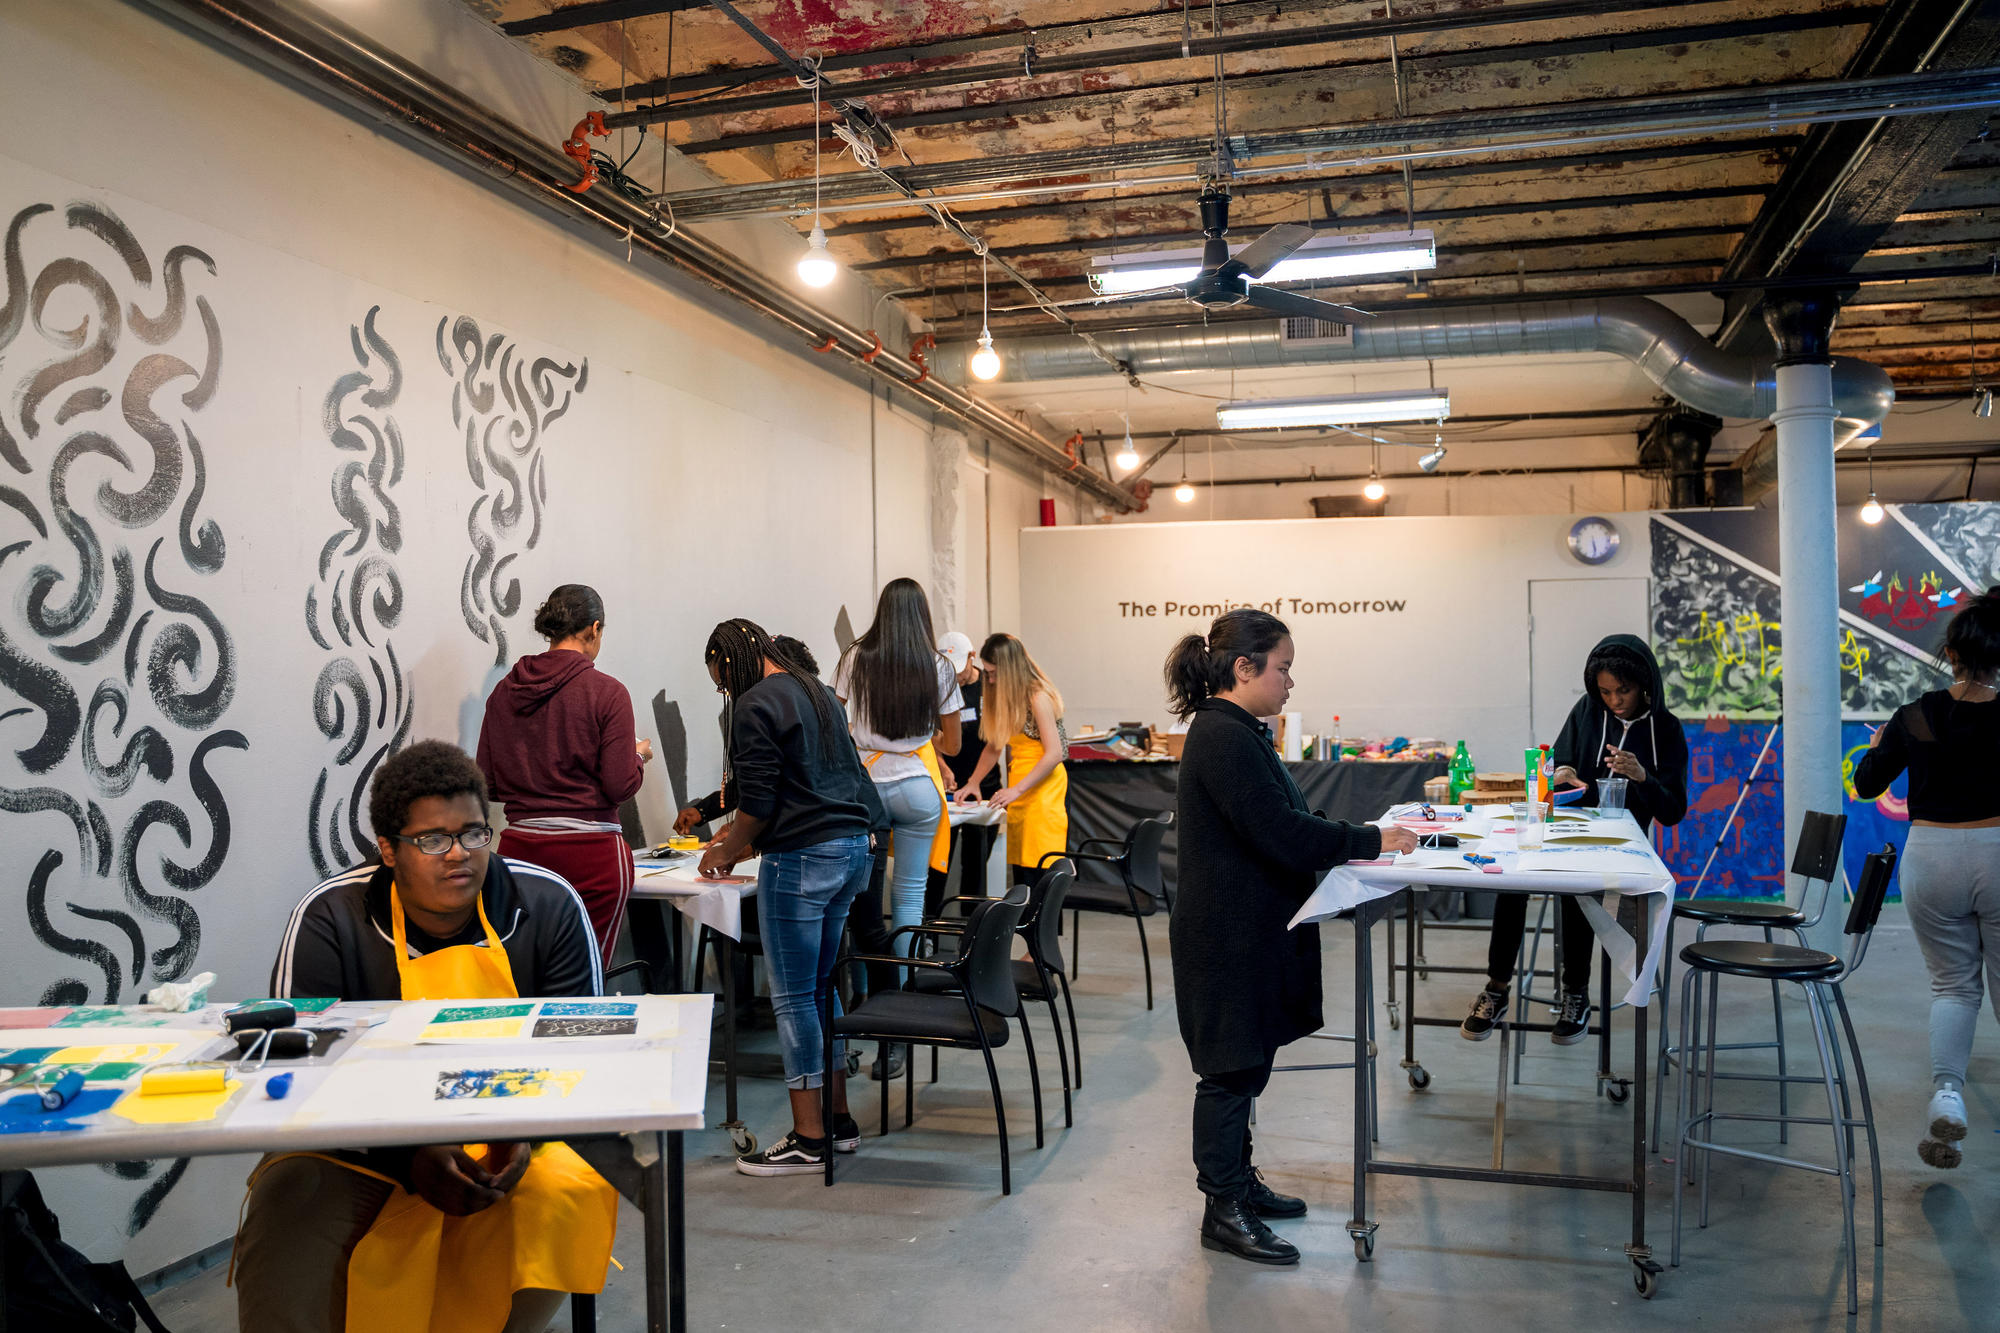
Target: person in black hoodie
1250,854
1619,728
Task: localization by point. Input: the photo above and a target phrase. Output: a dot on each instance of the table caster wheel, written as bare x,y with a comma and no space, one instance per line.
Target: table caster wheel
1646,1277
853,1064
1420,1078
1364,1248
1395,1019
744,1140
1619,1091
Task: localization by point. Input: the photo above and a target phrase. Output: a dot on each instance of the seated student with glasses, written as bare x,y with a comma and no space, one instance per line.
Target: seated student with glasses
328,1240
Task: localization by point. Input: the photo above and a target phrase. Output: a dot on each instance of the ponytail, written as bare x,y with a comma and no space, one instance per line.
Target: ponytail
1199,669
1972,639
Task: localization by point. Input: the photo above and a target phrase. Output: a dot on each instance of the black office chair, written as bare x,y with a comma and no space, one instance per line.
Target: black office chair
1140,892
1815,858
1822,975
1037,976
973,1018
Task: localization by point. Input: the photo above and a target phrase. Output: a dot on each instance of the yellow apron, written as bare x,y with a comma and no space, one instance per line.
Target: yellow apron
941,840
1038,822
419,1271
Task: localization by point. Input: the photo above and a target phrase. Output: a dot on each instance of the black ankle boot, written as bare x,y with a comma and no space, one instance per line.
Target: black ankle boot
1267,1202
1229,1225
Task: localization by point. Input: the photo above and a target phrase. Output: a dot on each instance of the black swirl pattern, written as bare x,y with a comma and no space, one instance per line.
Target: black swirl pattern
104,359
361,701
503,403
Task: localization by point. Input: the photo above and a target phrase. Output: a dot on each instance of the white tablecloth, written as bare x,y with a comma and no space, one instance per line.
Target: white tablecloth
1346,887
978,812
717,906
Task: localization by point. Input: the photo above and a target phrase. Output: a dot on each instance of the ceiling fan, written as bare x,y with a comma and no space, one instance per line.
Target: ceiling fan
1224,280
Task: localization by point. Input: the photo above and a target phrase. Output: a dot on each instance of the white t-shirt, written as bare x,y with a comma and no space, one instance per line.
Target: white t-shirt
892,759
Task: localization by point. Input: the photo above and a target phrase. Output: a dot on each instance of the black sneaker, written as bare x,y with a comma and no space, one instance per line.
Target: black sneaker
789,1156
1485,1016
846,1134
897,1055
1572,1018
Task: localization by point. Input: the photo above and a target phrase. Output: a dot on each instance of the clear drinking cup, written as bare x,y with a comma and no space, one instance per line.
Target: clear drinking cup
1611,793
1528,825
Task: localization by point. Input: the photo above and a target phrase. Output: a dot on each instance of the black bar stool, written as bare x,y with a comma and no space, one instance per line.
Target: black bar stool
1821,974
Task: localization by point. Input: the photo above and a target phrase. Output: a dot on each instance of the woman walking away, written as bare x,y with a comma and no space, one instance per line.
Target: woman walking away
1250,855
903,705
802,805
560,752
1024,714
1949,741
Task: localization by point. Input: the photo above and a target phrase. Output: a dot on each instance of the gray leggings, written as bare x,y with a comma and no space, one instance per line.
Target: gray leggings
1951,889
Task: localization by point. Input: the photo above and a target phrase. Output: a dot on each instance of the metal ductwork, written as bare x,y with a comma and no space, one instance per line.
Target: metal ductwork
298,41
1671,352
1676,446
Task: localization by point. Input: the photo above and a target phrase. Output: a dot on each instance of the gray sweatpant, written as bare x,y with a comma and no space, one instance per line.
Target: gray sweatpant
1951,889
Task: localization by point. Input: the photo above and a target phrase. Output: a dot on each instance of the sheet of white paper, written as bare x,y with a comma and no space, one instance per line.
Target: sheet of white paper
529,1023
1626,859
490,1082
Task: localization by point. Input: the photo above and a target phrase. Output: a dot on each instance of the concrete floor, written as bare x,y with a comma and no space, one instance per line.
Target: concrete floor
1100,1233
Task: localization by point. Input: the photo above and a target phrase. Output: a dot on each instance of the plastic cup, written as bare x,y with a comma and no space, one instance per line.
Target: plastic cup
1611,793
1528,824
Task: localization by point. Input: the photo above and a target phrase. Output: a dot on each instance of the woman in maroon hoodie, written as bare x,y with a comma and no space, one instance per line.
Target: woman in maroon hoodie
560,753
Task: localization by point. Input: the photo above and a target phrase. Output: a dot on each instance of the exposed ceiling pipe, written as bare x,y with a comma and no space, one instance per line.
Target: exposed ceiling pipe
1668,349
299,41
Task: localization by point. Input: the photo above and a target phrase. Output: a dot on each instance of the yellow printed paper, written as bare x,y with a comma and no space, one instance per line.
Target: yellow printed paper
481,1029
99,1055
179,1108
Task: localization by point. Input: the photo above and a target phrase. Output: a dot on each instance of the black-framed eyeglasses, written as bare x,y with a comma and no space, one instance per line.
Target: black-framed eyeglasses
472,839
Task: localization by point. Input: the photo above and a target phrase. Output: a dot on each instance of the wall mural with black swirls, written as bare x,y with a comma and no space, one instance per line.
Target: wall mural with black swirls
361,700
115,673
503,404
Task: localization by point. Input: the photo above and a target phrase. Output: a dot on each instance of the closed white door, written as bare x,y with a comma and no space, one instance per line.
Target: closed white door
1566,619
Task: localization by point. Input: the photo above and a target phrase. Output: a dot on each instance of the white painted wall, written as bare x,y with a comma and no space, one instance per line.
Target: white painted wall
1452,664
700,472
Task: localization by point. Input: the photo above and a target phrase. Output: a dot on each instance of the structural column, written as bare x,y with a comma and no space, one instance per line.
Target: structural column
1808,551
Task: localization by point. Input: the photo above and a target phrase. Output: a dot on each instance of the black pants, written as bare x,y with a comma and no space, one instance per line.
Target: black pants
1576,942
871,932
1222,1128
971,844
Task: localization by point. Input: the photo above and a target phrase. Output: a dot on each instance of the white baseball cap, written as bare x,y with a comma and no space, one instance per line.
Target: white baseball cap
956,648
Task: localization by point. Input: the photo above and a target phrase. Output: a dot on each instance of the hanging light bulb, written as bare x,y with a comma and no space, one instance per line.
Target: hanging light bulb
1872,511
1374,490
1184,493
1127,457
985,363
816,266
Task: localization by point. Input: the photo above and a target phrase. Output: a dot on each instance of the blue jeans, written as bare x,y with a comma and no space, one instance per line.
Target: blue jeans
802,901
914,809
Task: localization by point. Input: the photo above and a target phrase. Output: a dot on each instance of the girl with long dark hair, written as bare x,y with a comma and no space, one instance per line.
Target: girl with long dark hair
1251,853
802,803
560,751
903,701
1024,715
1950,868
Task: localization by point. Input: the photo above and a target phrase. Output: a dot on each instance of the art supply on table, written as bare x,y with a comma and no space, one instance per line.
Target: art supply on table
1611,793
179,997
259,1015
256,1047
277,1086
1487,864
175,1080
1568,795
177,1095
63,1091
30,1018
25,1114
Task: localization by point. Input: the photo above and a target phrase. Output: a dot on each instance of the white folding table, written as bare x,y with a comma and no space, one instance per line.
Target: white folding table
630,1130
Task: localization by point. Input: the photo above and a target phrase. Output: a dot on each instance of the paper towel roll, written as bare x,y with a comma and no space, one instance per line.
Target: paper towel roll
1295,735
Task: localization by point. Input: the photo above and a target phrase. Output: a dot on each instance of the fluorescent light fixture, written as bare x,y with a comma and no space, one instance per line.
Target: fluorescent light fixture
1343,410
1320,258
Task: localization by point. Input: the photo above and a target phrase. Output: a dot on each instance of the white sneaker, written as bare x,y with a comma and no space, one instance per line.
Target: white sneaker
1947,1115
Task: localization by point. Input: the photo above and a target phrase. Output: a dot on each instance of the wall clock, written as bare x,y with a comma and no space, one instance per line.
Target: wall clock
1593,540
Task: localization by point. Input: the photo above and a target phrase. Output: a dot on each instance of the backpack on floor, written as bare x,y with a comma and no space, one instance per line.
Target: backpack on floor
49,1287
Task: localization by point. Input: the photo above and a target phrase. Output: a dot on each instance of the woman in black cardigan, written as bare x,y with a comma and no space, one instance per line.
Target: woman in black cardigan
1250,855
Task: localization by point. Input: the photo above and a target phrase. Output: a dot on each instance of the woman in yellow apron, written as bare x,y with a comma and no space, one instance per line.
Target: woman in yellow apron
1023,706
537,1222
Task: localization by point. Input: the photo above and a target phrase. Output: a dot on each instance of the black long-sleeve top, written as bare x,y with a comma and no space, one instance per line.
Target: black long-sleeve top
781,772
1251,853
1950,748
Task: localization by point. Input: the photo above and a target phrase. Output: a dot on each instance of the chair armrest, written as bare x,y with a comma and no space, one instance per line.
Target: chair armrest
894,960
1095,856
1100,842
637,965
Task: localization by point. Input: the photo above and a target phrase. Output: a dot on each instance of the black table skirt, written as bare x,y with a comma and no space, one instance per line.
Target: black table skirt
1106,798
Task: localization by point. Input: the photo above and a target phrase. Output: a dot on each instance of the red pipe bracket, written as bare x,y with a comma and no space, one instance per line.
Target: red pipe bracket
868,357
922,343
576,146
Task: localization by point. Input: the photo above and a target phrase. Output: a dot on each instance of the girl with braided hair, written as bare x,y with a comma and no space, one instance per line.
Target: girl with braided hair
803,806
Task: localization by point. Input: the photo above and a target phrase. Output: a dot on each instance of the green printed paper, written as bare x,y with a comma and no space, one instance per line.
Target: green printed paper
482,1013
111,1015
310,1005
